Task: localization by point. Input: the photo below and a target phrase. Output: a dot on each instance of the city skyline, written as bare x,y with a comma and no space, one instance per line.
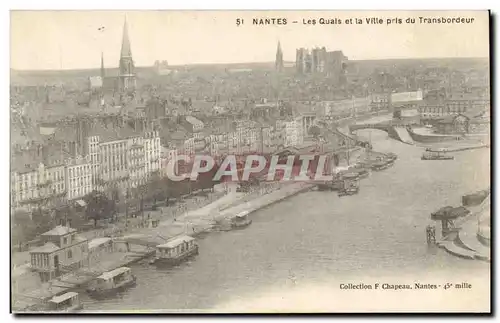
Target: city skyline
40,42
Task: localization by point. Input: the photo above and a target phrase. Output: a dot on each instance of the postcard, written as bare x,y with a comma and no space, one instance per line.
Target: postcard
250,161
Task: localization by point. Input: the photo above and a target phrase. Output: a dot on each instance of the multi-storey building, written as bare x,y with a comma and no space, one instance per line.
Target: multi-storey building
152,151
78,177
437,107
136,161
379,102
189,147
113,165
193,126
168,155
37,179
94,155
291,132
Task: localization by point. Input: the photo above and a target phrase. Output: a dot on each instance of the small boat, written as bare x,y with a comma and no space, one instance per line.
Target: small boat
351,177
175,251
241,221
65,303
350,185
381,165
391,156
348,191
361,168
436,155
111,282
362,172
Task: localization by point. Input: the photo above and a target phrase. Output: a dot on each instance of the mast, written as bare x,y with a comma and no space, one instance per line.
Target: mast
348,151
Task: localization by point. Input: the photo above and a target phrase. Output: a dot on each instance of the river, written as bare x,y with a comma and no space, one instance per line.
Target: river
317,239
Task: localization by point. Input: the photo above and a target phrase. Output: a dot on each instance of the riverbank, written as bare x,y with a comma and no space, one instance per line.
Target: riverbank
468,239
137,242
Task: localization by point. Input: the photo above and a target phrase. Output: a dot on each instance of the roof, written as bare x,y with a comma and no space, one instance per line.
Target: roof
114,273
98,242
47,131
175,242
406,97
49,247
192,120
59,231
81,203
63,297
242,214
449,212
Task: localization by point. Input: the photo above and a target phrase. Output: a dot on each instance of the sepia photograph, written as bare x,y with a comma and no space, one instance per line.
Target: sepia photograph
273,162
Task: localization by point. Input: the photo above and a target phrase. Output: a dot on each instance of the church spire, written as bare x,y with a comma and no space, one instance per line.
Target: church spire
127,68
103,71
126,51
279,58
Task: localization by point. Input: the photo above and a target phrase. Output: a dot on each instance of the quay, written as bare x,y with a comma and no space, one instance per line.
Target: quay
467,235
139,244
132,245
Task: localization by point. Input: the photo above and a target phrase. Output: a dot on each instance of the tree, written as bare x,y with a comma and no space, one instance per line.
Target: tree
23,227
156,189
314,131
99,206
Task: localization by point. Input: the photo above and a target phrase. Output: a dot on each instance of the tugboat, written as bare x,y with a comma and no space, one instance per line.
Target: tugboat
65,303
430,154
111,282
350,185
175,251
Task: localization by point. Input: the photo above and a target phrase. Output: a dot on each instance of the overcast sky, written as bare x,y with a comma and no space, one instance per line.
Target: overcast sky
71,39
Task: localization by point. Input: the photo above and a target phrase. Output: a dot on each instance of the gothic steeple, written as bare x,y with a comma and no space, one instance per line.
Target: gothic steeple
279,58
127,68
126,51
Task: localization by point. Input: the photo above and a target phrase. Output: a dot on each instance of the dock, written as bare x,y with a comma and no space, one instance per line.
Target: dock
77,279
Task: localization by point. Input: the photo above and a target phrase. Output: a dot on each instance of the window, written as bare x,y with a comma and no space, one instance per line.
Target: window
65,240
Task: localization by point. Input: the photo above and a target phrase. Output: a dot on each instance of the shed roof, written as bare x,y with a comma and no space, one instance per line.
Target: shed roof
114,273
63,297
59,231
98,242
49,247
175,242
